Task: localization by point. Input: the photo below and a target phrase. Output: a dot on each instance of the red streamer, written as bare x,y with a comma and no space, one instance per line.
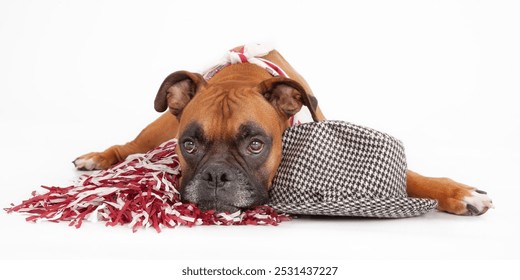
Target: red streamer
139,192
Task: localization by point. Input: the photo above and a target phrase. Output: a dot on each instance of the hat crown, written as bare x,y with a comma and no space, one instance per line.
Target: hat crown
333,161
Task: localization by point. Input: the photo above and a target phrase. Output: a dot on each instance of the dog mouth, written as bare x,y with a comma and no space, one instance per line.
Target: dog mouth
223,196
218,207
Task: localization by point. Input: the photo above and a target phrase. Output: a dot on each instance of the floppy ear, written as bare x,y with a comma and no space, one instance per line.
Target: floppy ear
287,96
177,90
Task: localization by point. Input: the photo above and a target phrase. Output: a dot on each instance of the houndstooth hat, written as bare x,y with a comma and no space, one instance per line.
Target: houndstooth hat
336,168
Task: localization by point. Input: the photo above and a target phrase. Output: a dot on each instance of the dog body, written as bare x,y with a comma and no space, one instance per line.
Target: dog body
229,130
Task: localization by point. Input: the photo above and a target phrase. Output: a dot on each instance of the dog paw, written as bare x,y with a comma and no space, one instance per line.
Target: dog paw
460,199
92,161
477,203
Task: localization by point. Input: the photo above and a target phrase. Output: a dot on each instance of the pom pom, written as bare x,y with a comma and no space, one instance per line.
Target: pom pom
141,191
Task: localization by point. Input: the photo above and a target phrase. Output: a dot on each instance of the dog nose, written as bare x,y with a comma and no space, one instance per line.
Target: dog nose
217,175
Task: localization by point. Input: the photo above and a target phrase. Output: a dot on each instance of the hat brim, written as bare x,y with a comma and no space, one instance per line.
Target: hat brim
388,207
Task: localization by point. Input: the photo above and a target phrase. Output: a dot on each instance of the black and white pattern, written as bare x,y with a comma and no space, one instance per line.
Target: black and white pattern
340,169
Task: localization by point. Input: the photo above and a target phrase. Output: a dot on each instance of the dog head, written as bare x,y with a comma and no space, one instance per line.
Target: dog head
230,136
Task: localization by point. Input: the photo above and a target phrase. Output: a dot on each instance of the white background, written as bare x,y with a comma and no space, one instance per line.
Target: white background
443,76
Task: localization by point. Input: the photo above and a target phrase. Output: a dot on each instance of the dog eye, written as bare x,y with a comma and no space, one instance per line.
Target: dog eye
189,146
255,147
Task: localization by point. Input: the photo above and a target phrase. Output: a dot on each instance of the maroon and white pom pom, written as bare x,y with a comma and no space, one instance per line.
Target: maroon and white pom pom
141,191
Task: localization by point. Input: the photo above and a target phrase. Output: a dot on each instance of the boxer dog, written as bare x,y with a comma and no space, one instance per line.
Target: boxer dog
229,128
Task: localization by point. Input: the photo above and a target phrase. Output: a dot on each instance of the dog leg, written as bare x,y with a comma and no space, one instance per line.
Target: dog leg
452,197
162,129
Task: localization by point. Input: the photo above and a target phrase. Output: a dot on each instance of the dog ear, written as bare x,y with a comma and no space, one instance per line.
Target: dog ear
287,96
177,90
